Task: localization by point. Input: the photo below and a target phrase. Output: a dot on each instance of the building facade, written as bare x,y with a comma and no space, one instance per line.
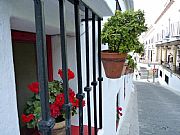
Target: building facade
19,65
162,42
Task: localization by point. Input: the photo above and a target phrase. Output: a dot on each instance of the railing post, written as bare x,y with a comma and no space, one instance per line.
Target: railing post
100,78
80,94
87,88
94,82
67,105
47,123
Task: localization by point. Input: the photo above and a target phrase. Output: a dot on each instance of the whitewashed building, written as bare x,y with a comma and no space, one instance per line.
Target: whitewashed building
162,43
18,65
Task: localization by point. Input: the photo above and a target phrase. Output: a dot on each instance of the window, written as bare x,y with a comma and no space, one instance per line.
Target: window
175,29
166,79
160,73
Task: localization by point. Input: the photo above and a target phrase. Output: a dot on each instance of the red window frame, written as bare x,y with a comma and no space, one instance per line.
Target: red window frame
28,37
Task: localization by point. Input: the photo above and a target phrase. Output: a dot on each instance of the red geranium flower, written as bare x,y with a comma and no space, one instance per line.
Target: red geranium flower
34,87
71,93
119,108
55,111
27,118
120,114
59,99
70,74
75,103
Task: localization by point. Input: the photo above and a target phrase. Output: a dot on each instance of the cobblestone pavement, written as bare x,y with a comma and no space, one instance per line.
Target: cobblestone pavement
158,110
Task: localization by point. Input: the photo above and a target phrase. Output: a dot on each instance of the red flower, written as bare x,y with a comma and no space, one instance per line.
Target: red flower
27,118
120,113
59,99
71,93
34,87
83,103
55,111
70,74
75,103
119,108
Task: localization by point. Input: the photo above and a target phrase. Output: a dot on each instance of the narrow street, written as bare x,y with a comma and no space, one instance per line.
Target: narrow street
158,110
153,110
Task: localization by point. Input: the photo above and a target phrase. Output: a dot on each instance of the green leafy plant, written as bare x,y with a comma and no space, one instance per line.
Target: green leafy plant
122,30
131,63
139,49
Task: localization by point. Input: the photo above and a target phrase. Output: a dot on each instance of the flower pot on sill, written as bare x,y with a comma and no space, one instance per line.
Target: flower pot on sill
59,128
113,63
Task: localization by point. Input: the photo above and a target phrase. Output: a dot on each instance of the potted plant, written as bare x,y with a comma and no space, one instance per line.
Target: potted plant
121,33
32,111
131,65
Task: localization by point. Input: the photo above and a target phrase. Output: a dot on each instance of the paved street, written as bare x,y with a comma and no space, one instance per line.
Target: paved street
158,111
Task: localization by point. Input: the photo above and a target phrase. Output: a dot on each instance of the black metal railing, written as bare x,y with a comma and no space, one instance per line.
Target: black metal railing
94,82
67,105
80,94
88,88
100,78
47,123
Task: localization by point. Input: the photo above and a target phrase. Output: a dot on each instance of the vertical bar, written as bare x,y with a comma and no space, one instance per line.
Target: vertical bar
118,7
67,105
100,79
94,83
80,94
124,87
47,123
87,88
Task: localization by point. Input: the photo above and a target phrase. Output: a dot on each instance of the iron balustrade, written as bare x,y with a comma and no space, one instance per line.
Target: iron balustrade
87,88
100,78
47,123
94,82
67,105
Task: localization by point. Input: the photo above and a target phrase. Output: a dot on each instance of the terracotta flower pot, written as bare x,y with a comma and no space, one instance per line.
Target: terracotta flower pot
113,63
59,128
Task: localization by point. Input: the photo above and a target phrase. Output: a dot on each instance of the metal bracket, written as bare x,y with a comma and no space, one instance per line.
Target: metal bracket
46,125
100,79
80,96
94,83
87,89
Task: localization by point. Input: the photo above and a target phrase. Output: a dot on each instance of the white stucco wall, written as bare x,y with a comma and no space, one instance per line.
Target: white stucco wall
111,87
173,79
128,88
8,108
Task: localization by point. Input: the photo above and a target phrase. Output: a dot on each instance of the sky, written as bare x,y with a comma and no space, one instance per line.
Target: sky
152,8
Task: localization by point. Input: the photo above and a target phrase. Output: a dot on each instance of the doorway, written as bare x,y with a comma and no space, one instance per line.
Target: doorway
25,67
25,73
